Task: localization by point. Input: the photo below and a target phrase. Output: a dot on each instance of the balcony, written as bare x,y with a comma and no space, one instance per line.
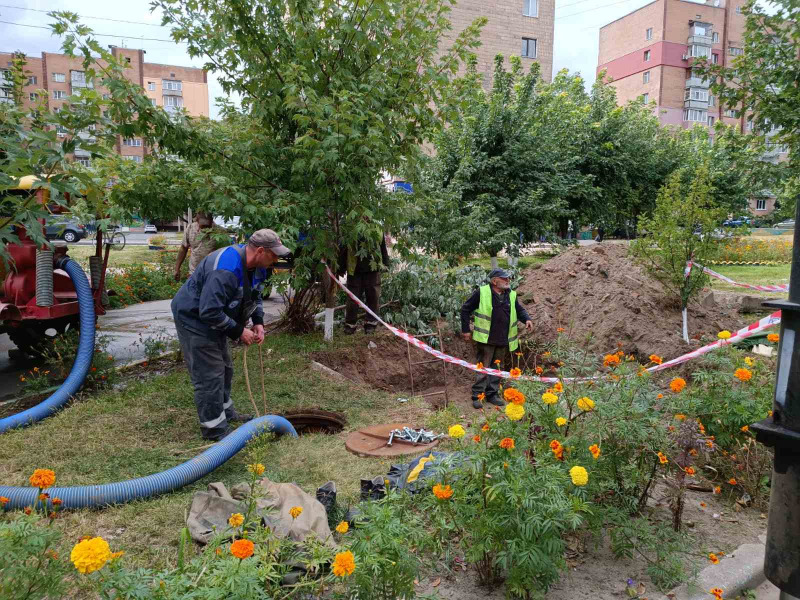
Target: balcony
80,153
697,82
169,92
700,40
698,104
5,79
78,80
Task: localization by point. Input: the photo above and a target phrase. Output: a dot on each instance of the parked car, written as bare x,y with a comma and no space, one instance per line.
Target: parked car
150,229
734,223
788,224
65,229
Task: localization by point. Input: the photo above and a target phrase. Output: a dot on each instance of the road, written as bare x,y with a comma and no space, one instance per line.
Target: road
133,238
127,330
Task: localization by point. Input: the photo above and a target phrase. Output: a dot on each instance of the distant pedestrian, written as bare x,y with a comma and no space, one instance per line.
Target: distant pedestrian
497,312
198,238
364,280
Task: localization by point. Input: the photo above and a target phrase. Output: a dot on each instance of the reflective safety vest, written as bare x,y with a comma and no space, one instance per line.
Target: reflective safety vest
483,318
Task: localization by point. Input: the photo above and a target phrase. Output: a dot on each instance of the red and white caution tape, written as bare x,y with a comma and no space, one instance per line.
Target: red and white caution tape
762,288
745,332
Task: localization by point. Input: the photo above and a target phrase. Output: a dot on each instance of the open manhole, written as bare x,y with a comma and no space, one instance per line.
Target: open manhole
315,420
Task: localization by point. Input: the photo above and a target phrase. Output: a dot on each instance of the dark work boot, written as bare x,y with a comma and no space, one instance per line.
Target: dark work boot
218,438
238,417
496,401
477,403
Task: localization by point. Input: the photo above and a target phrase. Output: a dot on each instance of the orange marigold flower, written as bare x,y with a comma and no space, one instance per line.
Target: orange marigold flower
505,465
680,417
743,374
481,397
595,450
732,481
242,549
692,452
677,384
485,427
663,458
769,414
716,592
479,365
497,362
717,490
515,373
709,444
703,505
745,429
442,492
476,438
57,502
42,478
4,500
27,510
660,396
558,387
560,330
656,359
539,370
43,497
507,443
713,558
611,360
689,471
344,564
773,337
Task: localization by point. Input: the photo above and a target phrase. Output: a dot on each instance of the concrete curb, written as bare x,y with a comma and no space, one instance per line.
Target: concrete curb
741,569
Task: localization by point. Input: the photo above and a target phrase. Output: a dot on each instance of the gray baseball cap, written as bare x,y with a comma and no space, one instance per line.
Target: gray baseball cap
499,273
266,238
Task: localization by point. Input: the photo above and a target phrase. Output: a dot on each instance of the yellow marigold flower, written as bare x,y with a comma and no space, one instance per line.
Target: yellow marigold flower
769,414
713,558
343,527
663,458
656,359
677,384
42,478
296,511
236,520
242,549
515,412
586,404
442,492
90,555
549,398
561,421
256,469
749,361
579,475
743,374
515,373
724,334
344,563
595,450
507,444
456,432
773,337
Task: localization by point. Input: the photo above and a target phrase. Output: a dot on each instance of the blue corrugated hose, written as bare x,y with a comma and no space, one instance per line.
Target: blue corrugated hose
83,358
94,496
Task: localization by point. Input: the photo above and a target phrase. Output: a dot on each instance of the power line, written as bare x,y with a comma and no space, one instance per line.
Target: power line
580,12
571,4
127,37
87,16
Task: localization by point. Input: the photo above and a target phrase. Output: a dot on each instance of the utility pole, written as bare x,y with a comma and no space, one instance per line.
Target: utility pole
782,432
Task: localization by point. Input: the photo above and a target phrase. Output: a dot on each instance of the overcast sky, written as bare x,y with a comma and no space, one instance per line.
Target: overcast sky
576,30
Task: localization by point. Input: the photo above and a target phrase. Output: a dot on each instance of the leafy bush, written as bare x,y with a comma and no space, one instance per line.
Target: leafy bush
143,283
60,356
749,249
157,240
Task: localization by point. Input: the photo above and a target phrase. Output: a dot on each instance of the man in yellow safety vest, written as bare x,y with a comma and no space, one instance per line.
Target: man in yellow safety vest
496,311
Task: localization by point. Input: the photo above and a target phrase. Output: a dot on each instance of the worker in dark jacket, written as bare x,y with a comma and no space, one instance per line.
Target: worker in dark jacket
364,280
214,306
497,312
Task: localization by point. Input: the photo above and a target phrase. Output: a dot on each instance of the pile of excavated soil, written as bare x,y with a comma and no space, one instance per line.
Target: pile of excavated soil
598,290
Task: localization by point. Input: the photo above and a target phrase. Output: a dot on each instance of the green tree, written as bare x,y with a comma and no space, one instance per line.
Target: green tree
681,229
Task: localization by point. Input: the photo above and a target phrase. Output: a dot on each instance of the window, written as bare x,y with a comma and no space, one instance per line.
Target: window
151,86
86,162
33,96
61,130
32,80
646,77
128,59
711,100
172,85
78,76
648,35
732,113
699,51
692,114
738,10
528,48
701,29
696,94
761,204
136,159
645,98
715,37
172,101
749,125
59,77
710,121
59,95
715,58
735,51
530,8
647,56
132,142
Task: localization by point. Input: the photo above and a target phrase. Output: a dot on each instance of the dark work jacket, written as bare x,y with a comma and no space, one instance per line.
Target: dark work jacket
501,315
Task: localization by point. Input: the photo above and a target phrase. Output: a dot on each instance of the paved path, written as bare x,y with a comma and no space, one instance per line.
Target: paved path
127,329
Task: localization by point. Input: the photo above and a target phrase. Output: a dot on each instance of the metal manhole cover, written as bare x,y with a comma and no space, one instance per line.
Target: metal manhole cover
371,441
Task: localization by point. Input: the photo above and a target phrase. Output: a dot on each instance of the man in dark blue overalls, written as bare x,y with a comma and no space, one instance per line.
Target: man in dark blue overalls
214,306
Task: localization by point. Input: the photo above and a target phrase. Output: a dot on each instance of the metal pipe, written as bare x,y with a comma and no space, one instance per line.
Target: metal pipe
782,431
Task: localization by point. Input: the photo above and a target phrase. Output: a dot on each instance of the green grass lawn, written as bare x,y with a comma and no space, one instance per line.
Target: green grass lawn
143,429
759,275
128,256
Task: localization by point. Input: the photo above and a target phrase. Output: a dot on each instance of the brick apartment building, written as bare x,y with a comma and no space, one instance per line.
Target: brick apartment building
648,55
515,27
59,76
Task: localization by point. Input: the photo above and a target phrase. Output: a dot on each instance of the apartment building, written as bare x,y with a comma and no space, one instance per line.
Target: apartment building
54,77
648,55
515,27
